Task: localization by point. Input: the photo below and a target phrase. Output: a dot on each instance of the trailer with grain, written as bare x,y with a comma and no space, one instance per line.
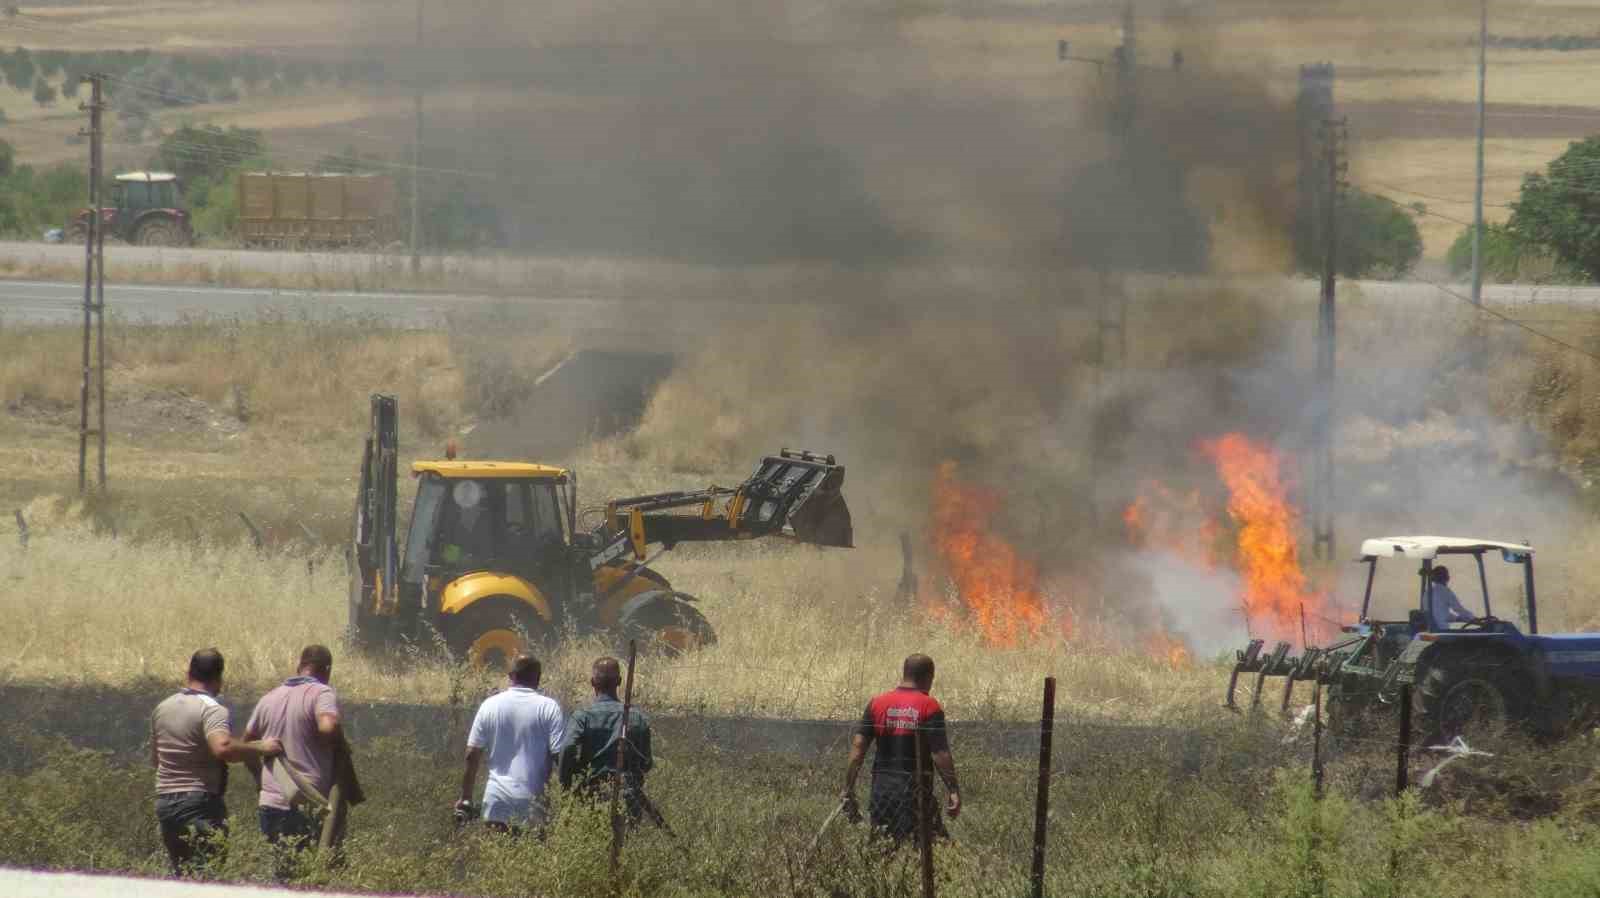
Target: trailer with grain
311,209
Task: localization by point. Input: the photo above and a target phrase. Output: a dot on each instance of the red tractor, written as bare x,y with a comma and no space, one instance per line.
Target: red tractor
144,210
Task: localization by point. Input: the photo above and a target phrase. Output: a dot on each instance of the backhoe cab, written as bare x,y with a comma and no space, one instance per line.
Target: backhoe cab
496,560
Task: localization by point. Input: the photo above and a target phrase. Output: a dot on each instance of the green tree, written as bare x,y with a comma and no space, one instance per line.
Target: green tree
1560,208
207,151
18,68
1507,258
43,93
1377,238
8,159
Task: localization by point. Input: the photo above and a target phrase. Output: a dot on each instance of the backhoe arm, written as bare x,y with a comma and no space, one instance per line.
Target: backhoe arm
794,493
373,545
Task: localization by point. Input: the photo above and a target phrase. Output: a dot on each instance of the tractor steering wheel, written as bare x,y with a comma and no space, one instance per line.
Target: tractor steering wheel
1480,623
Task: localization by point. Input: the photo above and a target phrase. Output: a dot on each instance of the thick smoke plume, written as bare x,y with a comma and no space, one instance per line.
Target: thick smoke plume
963,220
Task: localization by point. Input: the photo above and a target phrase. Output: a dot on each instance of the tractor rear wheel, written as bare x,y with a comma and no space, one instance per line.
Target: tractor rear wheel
669,625
157,233
492,632
1477,695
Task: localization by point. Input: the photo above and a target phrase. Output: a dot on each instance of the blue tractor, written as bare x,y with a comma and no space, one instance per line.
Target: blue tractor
1477,674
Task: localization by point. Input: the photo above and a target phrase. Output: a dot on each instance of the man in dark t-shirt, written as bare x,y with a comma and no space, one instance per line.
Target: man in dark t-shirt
892,721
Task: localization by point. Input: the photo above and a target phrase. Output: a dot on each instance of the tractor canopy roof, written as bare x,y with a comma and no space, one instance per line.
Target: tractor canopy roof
147,176
1432,546
511,470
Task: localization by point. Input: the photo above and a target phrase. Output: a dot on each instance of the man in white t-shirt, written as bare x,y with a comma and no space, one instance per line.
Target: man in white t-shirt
520,730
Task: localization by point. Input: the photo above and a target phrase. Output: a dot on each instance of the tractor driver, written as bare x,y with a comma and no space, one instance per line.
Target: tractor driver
1443,606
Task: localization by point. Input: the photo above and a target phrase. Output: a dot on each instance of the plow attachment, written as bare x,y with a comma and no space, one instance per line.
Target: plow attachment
1314,664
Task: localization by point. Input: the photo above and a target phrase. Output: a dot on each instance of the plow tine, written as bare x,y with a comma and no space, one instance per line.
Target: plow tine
1246,660
1304,669
1268,666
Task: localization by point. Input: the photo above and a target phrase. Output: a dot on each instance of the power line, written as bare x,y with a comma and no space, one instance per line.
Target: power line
1432,196
1512,321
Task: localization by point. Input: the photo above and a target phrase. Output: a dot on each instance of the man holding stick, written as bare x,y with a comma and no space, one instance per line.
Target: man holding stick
589,756
519,731
303,712
893,720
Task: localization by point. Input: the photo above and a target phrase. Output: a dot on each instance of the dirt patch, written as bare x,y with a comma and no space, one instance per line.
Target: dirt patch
153,415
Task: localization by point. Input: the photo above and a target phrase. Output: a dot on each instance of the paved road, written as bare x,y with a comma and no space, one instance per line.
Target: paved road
592,322
61,303
57,303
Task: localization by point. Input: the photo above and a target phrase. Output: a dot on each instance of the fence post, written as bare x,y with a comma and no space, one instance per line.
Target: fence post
22,529
1316,738
924,789
1041,809
1403,751
622,760
255,534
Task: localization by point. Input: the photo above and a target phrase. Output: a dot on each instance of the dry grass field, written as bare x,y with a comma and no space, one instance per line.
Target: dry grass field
215,417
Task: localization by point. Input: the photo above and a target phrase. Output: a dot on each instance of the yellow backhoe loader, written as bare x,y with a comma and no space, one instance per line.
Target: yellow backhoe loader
497,561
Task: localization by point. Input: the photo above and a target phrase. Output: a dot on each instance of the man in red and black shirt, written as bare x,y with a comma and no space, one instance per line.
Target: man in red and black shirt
892,720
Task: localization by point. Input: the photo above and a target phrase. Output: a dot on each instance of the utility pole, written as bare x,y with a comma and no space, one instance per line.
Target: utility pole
1333,139
416,153
94,298
1126,57
1313,107
1477,197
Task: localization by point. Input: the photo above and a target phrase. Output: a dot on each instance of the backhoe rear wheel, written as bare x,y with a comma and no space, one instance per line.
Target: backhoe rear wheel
669,625
492,632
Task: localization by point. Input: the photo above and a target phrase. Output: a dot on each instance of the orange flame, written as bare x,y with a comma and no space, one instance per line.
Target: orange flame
997,586
1263,546
1163,518
1276,593
1168,649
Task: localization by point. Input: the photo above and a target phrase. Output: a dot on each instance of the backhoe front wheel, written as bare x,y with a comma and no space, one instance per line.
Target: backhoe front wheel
491,633
669,625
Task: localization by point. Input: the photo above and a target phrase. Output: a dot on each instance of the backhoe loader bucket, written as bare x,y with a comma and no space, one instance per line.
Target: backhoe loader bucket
803,489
